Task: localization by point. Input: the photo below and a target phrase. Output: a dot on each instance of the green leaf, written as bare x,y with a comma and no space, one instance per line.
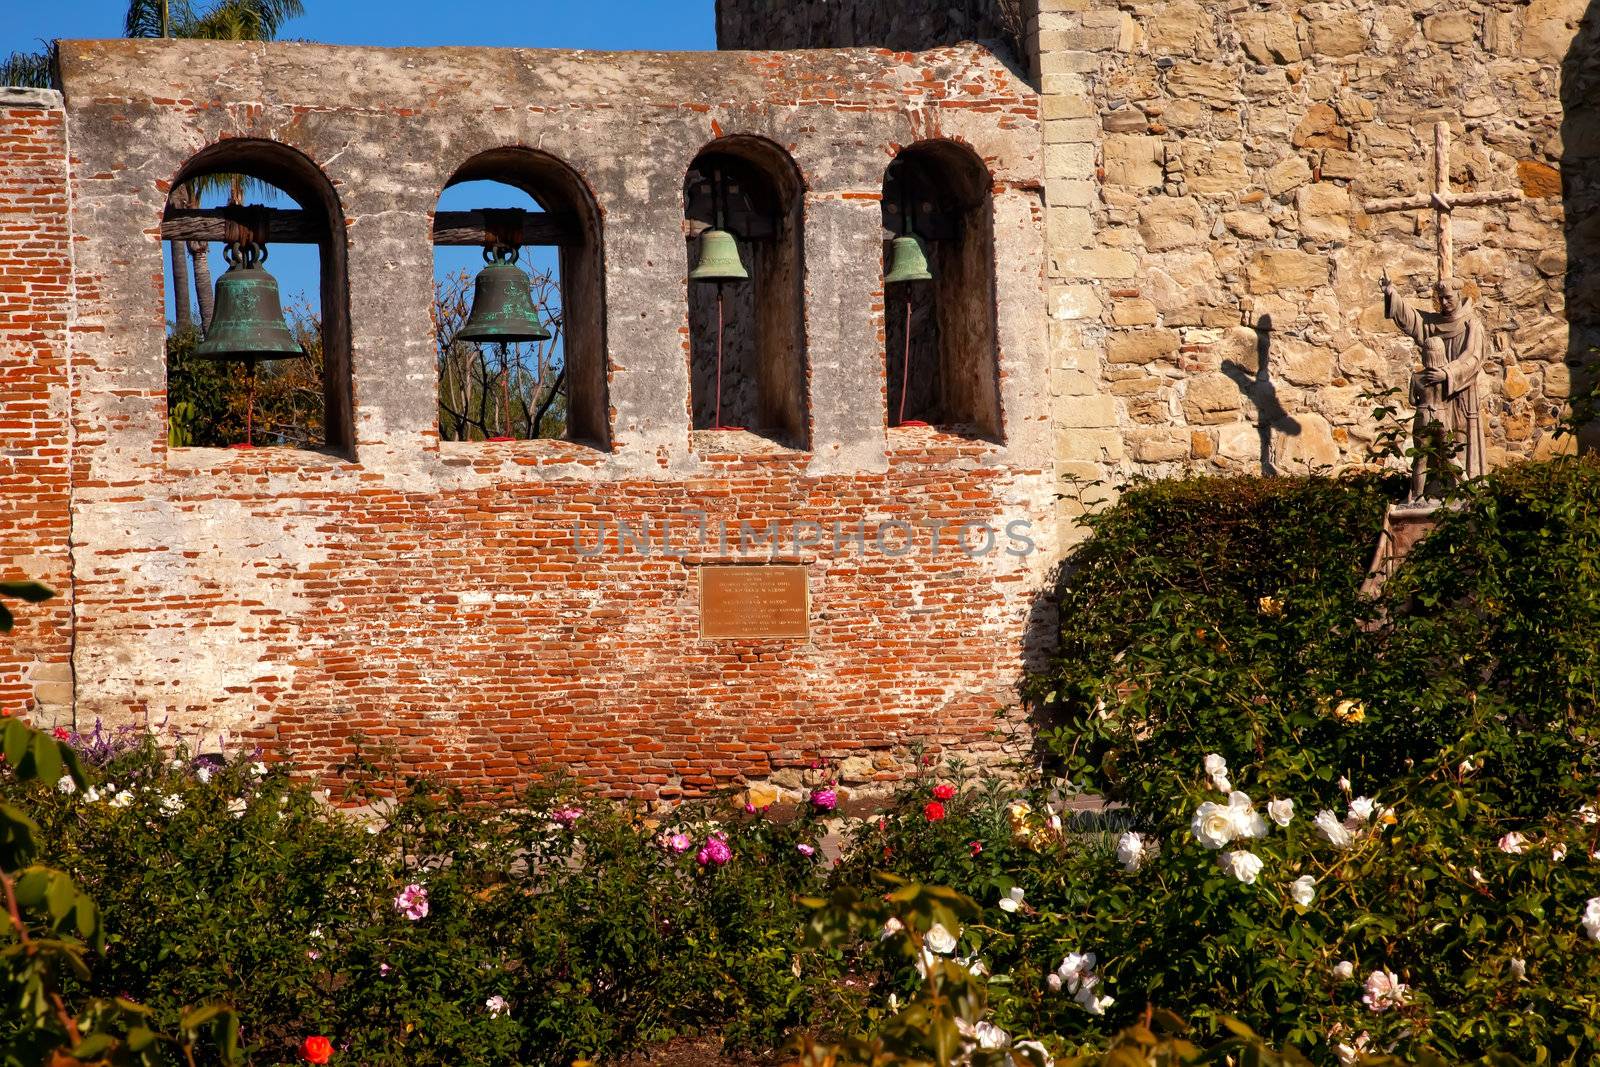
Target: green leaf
47,758
16,740
141,1038
94,1047
61,896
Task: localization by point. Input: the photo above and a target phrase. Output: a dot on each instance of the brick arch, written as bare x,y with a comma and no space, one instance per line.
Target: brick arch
766,379
558,188
941,191
303,181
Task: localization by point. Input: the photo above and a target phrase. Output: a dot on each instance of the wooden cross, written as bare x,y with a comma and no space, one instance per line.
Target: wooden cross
1441,200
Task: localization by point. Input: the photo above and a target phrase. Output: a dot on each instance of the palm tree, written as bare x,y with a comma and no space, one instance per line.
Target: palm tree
225,20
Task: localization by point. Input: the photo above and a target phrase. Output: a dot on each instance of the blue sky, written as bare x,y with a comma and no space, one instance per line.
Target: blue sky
592,24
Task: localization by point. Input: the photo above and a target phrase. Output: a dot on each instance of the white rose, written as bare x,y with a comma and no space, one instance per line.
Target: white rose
123,799
1588,815
204,774
1012,900
1591,918
890,928
1281,811
171,804
991,1036
1512,843
1384,991
1328,824
1344,970
1519,969
1242,865
66,785
1303,890
1053,980
1088,1001
1344,784
1558,852
1246,820
238,805
91,795
1035,1053
1130,851
1215,765
1213,825
1075,968
1361,808
941,940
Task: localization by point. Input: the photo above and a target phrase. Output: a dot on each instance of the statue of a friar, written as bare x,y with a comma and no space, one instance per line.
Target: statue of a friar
1454,344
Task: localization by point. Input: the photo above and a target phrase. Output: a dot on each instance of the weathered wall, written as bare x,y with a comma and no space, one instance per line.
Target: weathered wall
907,26
1214,301
35,288
435,596
1215,287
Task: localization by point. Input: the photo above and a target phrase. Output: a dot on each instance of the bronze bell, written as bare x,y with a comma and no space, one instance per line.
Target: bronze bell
719,259
247,323
908,261
502,303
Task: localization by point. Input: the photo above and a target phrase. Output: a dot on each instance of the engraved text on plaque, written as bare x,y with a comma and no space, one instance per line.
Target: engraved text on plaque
755,601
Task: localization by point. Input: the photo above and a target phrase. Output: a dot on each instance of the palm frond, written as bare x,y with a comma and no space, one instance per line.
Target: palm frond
30,70
144,17
243,20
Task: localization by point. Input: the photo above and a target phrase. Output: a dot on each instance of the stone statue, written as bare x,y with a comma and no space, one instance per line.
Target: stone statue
1454,344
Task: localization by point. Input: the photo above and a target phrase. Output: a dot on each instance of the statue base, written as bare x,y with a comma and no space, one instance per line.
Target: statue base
1403,526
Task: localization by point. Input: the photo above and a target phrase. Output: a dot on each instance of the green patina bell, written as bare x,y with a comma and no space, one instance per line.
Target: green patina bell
502,303
247,321
908,261
719,259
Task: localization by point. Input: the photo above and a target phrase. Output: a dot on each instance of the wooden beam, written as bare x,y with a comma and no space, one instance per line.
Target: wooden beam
1455,200
296,227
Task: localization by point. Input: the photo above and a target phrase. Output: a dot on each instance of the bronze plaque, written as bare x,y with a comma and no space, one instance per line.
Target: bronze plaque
762,600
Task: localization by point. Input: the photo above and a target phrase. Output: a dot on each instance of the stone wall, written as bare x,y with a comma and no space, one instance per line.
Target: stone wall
908,26
35,450
448,598
1215,296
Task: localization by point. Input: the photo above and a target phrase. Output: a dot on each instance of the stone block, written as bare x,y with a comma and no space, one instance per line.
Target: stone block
1250,225
1069,192
1219,170
1065,106
1133,160
1450,27
1144,346
1096,263
1159,446
1074,302
1548,28
1268,37
1324,211
1273,269
1167,222
1557,381
1069,228
1287,175
1321,129
1211,399
1070,131
1069,161
1339,35
1134,312
1089,445
1085,412
1303,442
1215,84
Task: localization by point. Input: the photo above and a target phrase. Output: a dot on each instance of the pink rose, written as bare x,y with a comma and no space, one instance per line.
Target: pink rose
412,902
715,852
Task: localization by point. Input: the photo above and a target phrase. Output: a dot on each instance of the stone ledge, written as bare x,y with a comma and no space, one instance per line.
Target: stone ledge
16,96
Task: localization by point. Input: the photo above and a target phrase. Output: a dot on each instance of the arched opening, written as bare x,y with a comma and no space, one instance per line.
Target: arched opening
940,350
747,364
499,379
238,373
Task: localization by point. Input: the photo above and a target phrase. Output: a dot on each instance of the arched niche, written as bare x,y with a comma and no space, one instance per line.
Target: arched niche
941,192
568,219
763,379
253,168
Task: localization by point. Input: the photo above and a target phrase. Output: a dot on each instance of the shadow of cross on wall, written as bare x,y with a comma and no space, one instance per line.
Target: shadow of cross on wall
1256,385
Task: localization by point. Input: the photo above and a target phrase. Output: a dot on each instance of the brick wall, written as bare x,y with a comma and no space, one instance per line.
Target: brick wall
434,596
35,284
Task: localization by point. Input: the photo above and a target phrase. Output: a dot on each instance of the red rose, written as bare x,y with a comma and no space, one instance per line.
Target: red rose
316,1050
933,811
944,792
